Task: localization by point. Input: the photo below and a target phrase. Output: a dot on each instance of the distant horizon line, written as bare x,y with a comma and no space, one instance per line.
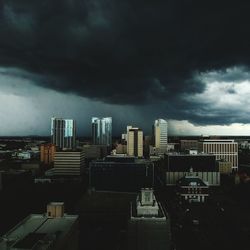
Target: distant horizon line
89,136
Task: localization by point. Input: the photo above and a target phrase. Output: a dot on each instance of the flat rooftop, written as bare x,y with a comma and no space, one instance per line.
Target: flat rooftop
121,159
134,216
149,235
186,154
34,228
218,140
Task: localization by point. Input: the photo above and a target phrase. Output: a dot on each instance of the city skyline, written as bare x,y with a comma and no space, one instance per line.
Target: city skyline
132,61
175,128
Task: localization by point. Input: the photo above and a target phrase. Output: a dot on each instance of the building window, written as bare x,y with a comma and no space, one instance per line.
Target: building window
147,196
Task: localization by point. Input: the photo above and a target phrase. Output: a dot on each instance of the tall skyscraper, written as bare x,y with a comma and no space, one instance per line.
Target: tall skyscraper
134,141
102,131
160,133
63,132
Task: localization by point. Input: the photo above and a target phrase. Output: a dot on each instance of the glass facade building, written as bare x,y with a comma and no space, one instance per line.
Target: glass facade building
63,133
102,131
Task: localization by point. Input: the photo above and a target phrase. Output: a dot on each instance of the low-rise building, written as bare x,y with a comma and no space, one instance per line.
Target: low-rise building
188,144
192,189
14,179
54,230
148,226
34,167
22,155
121,149
95,151
225,167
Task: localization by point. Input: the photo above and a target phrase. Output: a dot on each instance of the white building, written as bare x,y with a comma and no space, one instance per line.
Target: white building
223,150
161,133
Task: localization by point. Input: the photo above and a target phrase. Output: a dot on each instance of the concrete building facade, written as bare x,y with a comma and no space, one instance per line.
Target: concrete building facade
134,142
47,153
188,144
222,149
49,231
69,163
160,129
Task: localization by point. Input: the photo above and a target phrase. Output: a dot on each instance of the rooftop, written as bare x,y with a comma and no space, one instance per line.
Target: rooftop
37,230
146,207
188,154
218,140
191,181
122,159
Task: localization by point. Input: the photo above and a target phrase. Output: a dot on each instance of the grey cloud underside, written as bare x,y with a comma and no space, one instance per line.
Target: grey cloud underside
128,52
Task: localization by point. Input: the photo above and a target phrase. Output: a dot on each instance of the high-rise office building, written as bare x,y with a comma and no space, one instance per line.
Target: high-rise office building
134,141
102,131
63,132
161,134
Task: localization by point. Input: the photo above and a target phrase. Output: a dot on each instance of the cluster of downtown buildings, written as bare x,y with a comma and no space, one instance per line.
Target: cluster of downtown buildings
63,135
134,163
135,158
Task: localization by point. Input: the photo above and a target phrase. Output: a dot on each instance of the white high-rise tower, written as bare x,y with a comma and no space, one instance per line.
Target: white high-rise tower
161,134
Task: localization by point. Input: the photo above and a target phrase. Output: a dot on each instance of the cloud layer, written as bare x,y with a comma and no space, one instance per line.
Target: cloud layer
184,60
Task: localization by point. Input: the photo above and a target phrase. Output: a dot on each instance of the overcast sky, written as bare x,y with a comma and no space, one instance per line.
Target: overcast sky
187,61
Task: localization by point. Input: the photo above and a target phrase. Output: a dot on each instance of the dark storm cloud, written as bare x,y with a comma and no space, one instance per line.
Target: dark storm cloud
127,52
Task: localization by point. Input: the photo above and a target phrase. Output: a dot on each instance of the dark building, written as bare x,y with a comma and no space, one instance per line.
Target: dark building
94,152
127,174
14,179
188,144
183,162
174,166
149,225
